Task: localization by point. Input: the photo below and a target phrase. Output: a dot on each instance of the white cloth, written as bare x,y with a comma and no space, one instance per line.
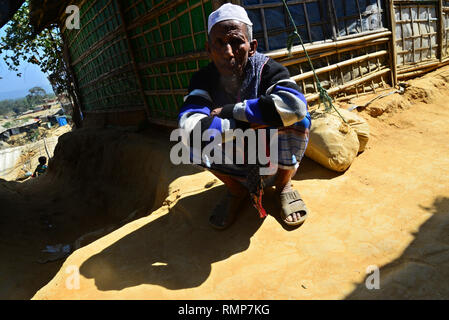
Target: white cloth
228,11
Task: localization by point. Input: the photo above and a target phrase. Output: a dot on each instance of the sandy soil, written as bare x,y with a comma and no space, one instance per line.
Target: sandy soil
147,236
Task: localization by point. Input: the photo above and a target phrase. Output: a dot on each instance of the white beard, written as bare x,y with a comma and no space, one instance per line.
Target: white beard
231,84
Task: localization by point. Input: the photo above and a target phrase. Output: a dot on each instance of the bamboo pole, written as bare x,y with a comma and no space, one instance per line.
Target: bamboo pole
413,74
393,56
402,32
405,21
417,72
440,30
349,84
77,98
302,82
156,12
120,70
417,49
309,31
339,65
334,19
333,22
360,15
446,34
329,45
361,34
175,59
264,28
133,61
413,33
100,44
413,3
418,67
329,74
113,96
98,53
352,66
343,18
429,34
325,54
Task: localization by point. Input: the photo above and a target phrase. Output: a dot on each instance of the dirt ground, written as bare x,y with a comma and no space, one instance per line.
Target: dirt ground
138,224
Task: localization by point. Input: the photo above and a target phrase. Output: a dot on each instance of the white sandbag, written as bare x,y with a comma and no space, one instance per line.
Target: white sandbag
332,143
359,125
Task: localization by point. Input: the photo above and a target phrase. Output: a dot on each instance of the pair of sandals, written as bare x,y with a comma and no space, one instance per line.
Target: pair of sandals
225,212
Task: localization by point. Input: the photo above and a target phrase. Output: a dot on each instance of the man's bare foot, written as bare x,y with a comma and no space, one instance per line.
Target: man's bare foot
227,209
225,212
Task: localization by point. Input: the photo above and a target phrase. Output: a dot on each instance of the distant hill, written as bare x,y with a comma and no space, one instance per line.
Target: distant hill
14,94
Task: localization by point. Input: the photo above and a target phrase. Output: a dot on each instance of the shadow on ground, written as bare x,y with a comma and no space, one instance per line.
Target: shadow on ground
96,179
309,169
174,251
422,271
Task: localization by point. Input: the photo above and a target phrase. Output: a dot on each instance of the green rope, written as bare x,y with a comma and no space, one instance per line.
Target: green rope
324,96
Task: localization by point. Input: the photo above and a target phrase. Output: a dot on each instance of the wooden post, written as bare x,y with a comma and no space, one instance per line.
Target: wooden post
133,60
77,104
440,29
264,27
333,18
393,54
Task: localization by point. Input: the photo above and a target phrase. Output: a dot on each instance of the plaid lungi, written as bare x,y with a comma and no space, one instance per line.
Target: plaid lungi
292,144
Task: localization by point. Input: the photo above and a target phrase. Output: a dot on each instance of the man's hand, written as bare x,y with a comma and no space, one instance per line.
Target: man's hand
216,112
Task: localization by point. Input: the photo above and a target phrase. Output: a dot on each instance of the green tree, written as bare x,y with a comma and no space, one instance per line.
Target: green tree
21,43
36,96
11,106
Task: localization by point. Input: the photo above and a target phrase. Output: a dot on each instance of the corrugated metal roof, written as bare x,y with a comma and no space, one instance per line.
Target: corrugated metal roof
24,124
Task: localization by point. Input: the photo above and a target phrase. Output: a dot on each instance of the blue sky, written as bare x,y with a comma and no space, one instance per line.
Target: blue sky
12,86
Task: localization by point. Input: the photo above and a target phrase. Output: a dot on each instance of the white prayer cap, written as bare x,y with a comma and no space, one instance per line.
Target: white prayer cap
228,11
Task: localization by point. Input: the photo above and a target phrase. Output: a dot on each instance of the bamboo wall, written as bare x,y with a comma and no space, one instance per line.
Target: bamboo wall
445,47
137,56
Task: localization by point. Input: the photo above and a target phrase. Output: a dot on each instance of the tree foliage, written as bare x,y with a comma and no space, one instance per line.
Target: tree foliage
21,43
13,106
36,95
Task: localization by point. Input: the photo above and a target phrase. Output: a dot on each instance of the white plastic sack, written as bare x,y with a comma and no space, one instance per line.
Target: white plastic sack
359,125
332,143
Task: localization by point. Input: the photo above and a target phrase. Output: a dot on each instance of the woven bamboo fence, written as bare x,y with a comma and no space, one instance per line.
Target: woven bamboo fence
346,40
139,55
420,36
445,29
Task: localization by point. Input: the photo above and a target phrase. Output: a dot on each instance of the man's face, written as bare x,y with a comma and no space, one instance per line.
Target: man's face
229,48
